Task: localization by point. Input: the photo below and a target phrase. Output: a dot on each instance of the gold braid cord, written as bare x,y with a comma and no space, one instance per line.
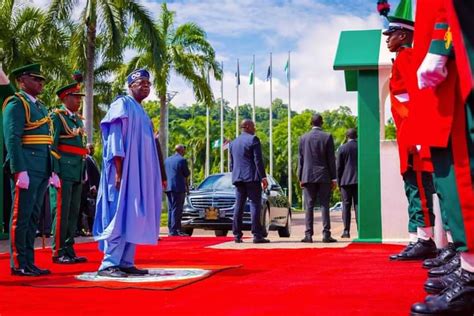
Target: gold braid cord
29,125
70,133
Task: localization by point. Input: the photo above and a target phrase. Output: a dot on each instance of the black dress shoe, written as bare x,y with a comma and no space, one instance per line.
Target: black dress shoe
458,299
260,241
112,272
447,268
406,249
238,240
436,285
346,235
307,239
63,260
421,250
181,234
26,271
78,259
34,268
134,270
443,257
329,239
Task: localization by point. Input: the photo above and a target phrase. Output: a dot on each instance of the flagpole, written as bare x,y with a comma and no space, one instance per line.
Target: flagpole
253,84
271,117
222,119
206,170
237,104
290,188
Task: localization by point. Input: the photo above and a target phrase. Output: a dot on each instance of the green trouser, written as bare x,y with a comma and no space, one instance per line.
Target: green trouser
446,187
419,191
65,233
24,221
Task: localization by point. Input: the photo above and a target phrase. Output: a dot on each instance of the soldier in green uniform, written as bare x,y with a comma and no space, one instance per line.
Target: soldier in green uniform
70,144
27,133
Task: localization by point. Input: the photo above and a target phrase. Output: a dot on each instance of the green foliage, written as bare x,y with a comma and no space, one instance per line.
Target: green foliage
390,130
188,127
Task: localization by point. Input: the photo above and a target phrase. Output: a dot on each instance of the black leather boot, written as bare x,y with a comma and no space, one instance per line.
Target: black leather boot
422,249
436,285
443,257
407,248
447,268
458,299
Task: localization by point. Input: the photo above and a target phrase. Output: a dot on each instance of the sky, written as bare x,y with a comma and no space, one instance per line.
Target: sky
309,29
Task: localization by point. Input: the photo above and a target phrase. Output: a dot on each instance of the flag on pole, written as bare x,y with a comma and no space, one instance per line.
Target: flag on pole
287,70
269,72
251,75
237,74
216,144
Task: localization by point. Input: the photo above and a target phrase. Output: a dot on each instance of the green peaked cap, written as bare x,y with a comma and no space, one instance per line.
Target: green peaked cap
33,70
402,19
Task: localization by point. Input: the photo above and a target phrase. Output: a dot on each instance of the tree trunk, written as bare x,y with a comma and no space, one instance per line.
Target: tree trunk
88,110
163,125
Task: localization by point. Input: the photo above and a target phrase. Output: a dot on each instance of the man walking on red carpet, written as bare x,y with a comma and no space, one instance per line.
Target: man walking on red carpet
129,199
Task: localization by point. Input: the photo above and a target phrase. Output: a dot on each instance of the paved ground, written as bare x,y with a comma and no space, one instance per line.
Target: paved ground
297,232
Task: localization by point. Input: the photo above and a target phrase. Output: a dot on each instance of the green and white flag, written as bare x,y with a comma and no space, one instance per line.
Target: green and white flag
287,70
251,75
216,144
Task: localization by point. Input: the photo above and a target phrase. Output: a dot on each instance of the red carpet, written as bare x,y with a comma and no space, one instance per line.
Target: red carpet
356,280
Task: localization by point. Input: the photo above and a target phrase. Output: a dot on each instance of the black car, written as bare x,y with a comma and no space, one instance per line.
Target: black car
211,207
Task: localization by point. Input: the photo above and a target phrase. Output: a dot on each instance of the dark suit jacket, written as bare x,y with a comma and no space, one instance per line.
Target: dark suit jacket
246,161
160,159
317,162
347,163
177,171
93,173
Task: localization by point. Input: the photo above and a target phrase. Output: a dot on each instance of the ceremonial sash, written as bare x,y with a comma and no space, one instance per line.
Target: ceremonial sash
72,150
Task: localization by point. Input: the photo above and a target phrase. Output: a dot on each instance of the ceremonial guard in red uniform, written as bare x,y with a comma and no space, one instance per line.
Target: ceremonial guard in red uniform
443,120
415,169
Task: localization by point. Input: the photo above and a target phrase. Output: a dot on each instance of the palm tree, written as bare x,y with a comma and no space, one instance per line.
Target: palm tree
186,52
26,36
99,37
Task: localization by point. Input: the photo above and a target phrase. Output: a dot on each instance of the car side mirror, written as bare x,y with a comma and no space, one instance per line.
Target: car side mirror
275,187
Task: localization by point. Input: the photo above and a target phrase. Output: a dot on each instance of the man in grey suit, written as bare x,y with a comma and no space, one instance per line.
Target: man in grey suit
248,176
347,178
317,176
177,172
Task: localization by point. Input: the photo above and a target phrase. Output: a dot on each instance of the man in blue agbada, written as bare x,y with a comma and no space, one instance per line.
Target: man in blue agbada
129,199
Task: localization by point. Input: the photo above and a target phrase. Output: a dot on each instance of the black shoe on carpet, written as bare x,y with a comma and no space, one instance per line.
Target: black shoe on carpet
134,270
112,272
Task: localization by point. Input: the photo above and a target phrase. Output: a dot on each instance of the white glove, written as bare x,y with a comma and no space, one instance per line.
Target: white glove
54,180
3,77
432,71
22,180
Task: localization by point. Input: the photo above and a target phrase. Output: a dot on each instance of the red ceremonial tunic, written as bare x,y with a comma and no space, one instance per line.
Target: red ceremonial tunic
400,78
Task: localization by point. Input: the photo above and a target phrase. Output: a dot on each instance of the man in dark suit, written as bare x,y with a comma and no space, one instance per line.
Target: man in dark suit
177,172
89,193
347,178
317,175
248,176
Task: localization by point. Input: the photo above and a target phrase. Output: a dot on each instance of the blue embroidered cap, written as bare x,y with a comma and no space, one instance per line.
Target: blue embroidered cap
137,74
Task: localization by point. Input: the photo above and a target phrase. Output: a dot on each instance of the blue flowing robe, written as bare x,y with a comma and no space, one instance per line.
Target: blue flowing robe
132,212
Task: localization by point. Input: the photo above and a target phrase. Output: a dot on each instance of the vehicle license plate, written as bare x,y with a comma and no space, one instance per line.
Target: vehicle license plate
212,213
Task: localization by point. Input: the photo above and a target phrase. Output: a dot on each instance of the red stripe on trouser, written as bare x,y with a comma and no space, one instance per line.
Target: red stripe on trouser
462,170
423,201
59,206
13,227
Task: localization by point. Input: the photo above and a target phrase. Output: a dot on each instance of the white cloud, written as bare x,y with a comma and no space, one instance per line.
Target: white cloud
315,84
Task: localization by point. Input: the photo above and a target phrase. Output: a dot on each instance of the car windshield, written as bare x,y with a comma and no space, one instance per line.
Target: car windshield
221,182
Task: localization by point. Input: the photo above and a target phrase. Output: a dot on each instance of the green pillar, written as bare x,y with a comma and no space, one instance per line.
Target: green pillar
370,219
358,55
